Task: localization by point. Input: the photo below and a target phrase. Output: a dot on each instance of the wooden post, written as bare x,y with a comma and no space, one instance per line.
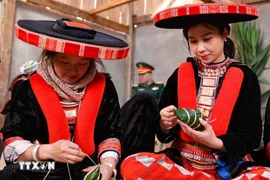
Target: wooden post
6,34
129,60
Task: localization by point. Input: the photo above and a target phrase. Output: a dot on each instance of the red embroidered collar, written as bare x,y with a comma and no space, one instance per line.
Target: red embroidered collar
213,70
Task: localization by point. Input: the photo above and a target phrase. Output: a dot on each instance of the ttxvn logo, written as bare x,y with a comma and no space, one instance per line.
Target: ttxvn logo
31,165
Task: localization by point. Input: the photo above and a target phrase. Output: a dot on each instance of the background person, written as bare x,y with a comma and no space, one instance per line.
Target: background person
26,70
147,85
264,154
146,82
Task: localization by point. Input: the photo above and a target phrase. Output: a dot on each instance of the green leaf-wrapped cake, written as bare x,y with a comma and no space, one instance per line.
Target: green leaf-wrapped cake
190,117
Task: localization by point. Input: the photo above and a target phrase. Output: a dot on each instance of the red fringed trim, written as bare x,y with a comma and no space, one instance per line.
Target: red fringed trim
11,140
223,107
55,116
110,144
267,150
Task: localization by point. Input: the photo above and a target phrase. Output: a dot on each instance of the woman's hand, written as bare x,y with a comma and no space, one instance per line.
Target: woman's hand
206,137
63,151
105,170
167,117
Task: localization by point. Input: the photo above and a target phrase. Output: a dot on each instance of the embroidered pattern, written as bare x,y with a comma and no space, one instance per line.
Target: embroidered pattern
145,160
11,140
199,156
110,144
205,9
71,112
163,163
78,49
210,75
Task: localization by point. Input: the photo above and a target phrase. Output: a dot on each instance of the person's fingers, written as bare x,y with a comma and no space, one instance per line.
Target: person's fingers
74,146
106,172
168,123
168,120
205,124
71,159
76,152
88,168
167,115
187,129
183,126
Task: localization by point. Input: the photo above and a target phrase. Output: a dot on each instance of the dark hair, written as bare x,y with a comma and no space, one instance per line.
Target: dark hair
50,54
229,48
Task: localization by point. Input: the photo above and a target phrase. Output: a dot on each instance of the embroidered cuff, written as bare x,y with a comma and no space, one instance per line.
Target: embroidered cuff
110,144
14,149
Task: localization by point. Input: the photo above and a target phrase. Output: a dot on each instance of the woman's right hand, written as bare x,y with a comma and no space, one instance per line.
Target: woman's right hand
167,117
63,151
105,171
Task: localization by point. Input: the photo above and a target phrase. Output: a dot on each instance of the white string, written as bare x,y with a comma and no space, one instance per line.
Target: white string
90,159
47,174
69,174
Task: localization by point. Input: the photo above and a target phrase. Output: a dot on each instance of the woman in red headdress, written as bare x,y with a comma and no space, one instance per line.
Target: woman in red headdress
67,111
226,92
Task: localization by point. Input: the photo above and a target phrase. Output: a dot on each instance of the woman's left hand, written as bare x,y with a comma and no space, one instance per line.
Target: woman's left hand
105,170
206,137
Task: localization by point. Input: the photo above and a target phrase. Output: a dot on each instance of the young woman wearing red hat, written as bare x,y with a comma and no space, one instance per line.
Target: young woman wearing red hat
224,91
67,111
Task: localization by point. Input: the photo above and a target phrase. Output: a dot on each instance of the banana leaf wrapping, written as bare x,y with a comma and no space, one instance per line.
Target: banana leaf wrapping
93,175
190,117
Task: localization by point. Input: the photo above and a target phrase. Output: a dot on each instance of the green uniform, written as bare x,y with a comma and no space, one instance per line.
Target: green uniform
155,89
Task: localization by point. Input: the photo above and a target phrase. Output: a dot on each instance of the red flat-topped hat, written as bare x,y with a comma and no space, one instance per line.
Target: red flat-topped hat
65,36
183,16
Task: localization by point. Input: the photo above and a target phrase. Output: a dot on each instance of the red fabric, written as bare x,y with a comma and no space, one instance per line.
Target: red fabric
223,107
211,8
267,150
70,47
186,91
186,87
76,24
11,140
150,166
158,166
225,102
55,116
